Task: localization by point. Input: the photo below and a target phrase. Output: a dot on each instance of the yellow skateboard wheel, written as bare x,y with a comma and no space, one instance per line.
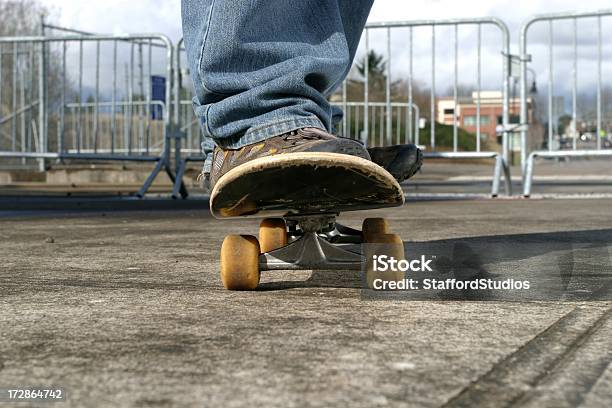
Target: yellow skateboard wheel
374,226
272,234
240,262
390,245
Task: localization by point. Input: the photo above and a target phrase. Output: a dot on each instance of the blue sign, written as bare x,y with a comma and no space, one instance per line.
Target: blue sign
158,93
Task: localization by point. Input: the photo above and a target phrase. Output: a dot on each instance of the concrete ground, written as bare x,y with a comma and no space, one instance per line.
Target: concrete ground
125,308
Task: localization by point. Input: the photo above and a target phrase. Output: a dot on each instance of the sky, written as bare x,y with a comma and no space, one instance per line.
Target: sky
128,16
146,16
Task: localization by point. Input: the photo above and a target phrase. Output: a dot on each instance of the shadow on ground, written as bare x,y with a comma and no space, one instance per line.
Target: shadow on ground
569,265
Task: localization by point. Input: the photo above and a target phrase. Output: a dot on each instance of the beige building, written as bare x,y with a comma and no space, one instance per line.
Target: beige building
491,109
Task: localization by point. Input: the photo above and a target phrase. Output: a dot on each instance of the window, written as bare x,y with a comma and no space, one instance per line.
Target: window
516,119
471,120
449,111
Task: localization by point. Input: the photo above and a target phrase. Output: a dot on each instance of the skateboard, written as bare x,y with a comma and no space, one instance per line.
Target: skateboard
299,196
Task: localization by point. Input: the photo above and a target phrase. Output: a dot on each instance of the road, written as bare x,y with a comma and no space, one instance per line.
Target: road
124,307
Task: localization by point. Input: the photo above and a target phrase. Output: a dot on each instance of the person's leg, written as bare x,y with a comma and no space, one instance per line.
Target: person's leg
262,68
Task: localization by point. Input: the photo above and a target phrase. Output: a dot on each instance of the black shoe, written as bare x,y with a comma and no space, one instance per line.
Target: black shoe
402,161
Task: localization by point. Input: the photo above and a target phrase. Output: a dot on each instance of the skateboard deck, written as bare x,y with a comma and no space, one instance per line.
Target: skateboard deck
304,184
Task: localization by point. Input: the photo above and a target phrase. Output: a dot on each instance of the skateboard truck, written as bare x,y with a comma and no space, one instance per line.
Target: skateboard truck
311,242
317,244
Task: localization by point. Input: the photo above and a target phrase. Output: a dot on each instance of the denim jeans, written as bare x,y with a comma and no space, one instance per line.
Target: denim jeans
261,68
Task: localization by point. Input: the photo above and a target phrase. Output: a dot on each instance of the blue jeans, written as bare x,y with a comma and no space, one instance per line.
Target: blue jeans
261,68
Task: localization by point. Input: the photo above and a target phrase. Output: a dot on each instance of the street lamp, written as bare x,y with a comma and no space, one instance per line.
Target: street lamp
534,88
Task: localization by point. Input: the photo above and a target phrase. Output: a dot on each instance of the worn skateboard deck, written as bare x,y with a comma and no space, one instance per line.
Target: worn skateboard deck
304,184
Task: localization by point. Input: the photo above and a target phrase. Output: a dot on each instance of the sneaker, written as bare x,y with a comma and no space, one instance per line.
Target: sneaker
402,161
300,140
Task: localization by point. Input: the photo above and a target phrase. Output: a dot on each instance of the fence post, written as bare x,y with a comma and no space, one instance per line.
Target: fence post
42,95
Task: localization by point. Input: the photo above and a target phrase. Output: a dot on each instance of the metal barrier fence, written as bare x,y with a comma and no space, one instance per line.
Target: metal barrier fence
187,124
402,113
554,146
65,111
380,123
389,112
71,98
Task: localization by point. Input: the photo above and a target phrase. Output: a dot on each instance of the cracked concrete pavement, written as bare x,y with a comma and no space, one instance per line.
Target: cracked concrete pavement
125,308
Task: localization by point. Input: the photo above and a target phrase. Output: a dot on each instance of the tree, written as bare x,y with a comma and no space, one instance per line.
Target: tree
22,17
20,105
376,67
563,122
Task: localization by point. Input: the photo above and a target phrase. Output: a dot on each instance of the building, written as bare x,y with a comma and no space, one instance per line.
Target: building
491,109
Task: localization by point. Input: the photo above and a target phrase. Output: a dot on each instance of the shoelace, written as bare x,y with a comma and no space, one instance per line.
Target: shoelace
295,136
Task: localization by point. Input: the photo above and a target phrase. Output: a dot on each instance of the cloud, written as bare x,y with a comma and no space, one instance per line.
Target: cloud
147,16
121,16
